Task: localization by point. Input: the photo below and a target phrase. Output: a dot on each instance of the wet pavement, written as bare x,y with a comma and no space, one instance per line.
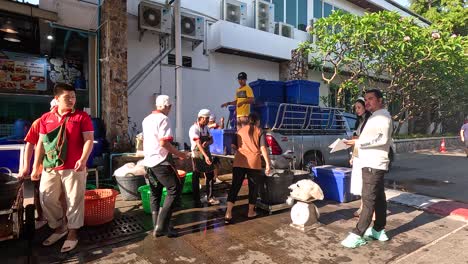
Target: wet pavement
416,236
266,239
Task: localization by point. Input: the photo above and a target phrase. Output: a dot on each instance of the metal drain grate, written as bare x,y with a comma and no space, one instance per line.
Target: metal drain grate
119,227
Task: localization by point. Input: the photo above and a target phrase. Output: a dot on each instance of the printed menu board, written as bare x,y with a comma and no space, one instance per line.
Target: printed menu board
19,71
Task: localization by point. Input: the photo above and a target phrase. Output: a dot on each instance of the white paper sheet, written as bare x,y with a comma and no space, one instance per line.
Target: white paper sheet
338,145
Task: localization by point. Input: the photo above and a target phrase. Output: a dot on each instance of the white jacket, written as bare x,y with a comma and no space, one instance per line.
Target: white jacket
374,142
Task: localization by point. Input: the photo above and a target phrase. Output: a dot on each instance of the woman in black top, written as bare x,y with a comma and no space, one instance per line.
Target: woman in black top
356,175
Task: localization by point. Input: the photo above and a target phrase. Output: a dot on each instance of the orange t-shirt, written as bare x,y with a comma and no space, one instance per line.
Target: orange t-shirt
248,153
33,133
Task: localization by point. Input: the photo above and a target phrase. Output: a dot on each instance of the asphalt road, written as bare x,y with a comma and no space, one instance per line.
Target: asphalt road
431,173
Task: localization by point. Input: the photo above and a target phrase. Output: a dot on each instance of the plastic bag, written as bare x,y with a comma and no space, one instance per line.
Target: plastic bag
130,169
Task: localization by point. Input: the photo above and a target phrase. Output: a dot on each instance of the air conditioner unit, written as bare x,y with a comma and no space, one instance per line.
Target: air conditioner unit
284,30
264,15
235,11
154,17
192,27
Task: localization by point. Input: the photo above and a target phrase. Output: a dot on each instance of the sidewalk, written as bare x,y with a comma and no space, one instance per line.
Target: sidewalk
266,239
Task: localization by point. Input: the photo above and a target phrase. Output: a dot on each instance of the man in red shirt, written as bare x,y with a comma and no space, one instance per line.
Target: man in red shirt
31,140
70,177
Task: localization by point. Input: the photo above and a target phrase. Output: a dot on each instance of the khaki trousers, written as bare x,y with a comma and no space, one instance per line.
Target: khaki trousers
73,185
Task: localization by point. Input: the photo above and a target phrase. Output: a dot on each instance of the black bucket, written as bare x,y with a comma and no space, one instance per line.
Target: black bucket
275,188
128,186
8,189
302,175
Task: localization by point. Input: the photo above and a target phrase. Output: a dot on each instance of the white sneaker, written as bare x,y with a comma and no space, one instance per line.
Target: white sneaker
213,201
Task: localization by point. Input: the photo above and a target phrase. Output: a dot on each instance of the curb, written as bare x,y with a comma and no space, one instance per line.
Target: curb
429,204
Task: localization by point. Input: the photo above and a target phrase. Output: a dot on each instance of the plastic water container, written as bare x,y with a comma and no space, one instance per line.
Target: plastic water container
302,92
222,140
21,128
268,91
335,183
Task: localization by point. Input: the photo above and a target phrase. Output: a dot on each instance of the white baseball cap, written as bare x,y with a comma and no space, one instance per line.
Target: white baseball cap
162,100
204,113
53,103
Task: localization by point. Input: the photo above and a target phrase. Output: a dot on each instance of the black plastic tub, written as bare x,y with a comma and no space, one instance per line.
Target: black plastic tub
8,189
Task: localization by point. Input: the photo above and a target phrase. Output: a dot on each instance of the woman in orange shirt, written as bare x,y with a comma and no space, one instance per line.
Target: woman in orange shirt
251,146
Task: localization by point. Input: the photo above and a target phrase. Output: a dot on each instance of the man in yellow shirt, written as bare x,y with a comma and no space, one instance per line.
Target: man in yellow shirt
244,98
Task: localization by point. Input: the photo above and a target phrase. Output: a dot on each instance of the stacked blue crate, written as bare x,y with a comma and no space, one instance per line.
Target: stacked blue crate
302,92
222,140
268,91
335,183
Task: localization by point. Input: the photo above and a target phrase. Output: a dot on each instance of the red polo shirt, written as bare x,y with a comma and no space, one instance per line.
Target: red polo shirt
78,123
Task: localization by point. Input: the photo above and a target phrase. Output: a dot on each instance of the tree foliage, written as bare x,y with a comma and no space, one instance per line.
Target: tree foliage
450,15
418,68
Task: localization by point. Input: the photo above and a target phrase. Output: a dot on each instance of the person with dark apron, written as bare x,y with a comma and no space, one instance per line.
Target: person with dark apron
200,139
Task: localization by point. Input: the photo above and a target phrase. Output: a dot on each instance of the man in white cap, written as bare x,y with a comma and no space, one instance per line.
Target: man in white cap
158,150
213,125
200,139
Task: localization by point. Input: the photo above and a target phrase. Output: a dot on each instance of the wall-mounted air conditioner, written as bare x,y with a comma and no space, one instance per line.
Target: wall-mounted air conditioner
155,17
284,29
264,15
192,27
235,11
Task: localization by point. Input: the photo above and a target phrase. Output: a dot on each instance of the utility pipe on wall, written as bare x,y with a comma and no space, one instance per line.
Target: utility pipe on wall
178,73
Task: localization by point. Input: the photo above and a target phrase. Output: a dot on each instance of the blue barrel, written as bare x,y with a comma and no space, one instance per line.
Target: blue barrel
98,150
21,128
99,131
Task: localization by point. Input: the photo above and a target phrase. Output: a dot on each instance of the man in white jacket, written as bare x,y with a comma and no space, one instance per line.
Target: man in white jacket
373,146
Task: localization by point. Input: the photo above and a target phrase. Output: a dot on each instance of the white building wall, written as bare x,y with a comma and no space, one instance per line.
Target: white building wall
211,81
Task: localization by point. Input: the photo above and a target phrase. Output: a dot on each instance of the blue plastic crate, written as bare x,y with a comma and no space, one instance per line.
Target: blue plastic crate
335,183
266,112
222,140
302,92
10,158
295,117
268,91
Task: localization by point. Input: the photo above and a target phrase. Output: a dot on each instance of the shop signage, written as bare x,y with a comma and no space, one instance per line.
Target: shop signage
20,71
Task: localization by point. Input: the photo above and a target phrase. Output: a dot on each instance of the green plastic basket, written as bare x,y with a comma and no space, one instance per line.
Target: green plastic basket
187,188
145,193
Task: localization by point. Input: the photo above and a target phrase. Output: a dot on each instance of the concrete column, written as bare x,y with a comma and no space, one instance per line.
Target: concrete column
295,69
114,73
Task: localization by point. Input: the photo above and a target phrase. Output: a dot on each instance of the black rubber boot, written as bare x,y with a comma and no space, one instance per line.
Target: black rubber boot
163,228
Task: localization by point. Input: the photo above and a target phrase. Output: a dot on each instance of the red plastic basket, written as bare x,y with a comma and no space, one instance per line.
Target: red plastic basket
99,206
